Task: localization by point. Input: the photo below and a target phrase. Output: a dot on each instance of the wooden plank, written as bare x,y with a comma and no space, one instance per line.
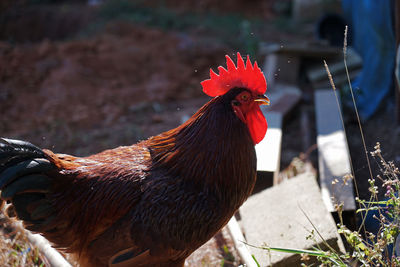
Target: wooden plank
54,257
276,217
238,239
285,103
269,149
281,68
336,67
302,50
333,153
338,79
279,91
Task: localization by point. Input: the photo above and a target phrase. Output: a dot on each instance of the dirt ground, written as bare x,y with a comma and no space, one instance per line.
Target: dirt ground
51,89
128,82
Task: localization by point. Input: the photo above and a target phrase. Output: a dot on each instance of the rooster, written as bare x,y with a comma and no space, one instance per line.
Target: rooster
152,203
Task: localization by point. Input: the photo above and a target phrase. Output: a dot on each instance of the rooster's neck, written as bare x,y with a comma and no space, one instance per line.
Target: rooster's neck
213,147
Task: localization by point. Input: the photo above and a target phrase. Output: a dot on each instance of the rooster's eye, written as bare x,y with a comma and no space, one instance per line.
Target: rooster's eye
244,97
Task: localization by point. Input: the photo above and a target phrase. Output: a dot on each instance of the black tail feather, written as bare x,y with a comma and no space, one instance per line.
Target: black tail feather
23,180
14,151
24,168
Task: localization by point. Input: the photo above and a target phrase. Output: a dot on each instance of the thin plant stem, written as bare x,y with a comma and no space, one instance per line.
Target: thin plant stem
357,115
354,102
341,118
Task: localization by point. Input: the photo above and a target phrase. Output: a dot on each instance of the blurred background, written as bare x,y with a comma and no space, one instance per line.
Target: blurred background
81,76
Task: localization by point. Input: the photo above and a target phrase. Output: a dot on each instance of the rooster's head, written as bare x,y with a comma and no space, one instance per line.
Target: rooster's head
246,103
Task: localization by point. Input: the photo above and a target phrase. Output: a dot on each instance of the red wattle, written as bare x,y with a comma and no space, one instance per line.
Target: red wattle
257,124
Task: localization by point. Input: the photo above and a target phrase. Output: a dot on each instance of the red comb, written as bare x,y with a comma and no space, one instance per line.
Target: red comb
249,77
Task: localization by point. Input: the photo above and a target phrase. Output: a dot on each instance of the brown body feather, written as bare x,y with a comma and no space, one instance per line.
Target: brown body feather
153,203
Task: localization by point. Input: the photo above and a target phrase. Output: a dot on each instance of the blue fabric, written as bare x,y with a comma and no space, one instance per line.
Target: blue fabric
372,36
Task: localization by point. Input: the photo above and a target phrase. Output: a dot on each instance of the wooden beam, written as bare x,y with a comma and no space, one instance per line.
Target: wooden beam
339,79
333,153
301,50
238,239
285,103
277,217
281,68
336,67
268,151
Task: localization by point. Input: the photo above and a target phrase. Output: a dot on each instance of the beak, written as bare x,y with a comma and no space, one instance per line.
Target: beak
263,100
